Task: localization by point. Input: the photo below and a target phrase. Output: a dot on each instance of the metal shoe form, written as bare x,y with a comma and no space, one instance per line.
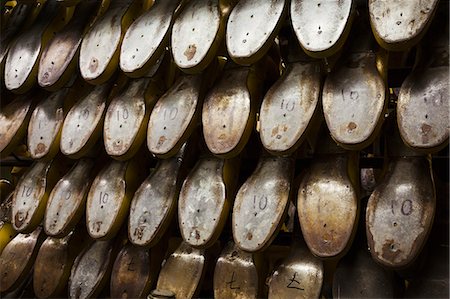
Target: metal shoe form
328,201
44,128
423,103
18,258
145,40
261,203
54,262
14,118
109,197
175,116
84,123
291,104
322,26
99,51
198,32
22,62
154,203
31,194
401,209
358,276
60,58
67,201
300,275
205,199
252,27
182,273
399,25
92,269
354,95
127,117
237,274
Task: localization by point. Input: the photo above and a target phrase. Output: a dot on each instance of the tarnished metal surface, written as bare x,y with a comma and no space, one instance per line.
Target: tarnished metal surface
261,203
30,197
300,275
203,204
23,54
353,101
91,270
84,121
146,38
288,107
17,259
102,41
236,275
62,49
173,117
107,199
45,125
423,109
195,31
321,26
13,117
251,27
399,23
400,212
327,207
67,200
131,276
230,97
358,276
183,271
154,203
124,120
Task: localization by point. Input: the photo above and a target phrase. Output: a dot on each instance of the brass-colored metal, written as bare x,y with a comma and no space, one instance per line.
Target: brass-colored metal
261,203
400,212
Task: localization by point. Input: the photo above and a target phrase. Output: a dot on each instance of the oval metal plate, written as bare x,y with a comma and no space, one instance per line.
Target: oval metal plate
102,41
353,101
235,274
422,109
251,26
400,212
45,124
29,196
300,275
397,22
67,200
229,97
106,198
83,120
261,203
144,38
153,203
320,25
173,115
194,32
202,203
130,277
327,207
288,107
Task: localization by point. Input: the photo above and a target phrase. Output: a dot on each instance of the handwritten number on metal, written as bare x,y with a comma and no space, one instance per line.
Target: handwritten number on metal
233,280
170,113
287,105
262,202
294,283
406,208
26,191
103,197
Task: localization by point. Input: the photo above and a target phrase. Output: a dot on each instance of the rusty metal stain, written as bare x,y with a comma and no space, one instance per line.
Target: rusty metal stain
190,52
93,65
40,148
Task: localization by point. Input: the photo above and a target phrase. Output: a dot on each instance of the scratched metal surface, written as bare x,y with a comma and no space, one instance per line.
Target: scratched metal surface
67,198
288,107
45,124
235,274
194,31
422,108
202,202
261,203
320,24
300,275
400,212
